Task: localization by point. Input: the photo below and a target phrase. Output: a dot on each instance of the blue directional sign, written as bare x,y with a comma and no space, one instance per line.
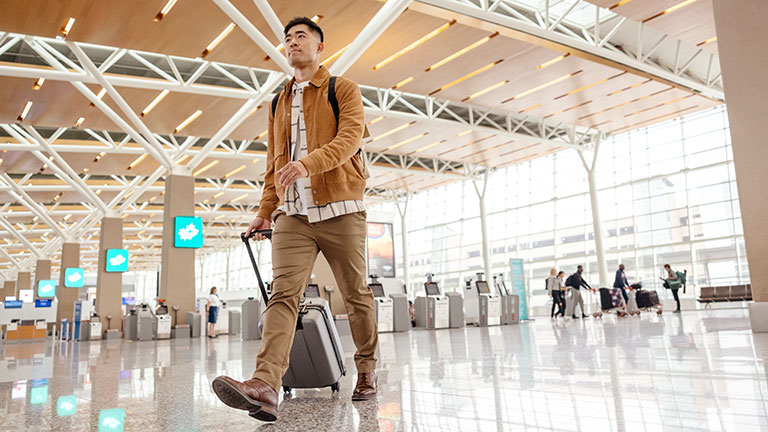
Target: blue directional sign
66,406
46,288
111,420
117,260
188,232
74,277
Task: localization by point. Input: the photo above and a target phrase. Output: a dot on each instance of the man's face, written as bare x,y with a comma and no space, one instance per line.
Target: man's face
621,267
302,46
580,270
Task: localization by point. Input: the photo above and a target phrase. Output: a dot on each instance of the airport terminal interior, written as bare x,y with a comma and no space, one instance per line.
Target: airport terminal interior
564,198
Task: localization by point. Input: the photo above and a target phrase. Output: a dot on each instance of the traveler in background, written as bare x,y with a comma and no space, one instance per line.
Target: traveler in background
575,282
621,282
563,291
212,308
412,313
673,282
553,287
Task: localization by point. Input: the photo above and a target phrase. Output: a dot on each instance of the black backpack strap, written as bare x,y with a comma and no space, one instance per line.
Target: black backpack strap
274,102
335,103
332,98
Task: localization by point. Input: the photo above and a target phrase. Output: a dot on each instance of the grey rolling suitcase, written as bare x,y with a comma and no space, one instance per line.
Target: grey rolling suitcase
317,358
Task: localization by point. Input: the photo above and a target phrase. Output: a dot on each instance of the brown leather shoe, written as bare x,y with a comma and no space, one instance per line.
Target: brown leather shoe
254,396
367,384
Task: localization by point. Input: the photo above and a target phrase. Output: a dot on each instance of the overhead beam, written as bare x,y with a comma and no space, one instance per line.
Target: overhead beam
517,20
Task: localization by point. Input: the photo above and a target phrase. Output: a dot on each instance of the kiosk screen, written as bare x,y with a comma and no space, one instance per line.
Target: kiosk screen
377,289
313,290
482,287
431,288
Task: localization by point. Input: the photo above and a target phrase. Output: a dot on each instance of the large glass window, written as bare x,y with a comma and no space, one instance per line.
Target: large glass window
667,196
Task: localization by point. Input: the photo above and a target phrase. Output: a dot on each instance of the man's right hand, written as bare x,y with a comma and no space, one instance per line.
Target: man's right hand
258,224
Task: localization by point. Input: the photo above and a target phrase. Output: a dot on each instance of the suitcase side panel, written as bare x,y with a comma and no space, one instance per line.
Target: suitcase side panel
313,361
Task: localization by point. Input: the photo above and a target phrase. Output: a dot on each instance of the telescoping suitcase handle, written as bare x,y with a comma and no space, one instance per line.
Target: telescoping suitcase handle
245,239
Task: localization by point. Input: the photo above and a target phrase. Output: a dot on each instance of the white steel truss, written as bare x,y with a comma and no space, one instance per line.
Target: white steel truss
617,39
232,84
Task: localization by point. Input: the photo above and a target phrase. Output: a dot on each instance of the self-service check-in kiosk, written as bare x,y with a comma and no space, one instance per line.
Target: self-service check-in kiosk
83,310
384,306
250,316
161,328
509,302
222,322
432,311
483,308
145,323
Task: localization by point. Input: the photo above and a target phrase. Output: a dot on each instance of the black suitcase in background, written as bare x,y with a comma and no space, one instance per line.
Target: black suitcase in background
654,298
643,298
606,302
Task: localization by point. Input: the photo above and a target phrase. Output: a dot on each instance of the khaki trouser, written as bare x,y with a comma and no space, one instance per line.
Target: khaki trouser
295,245
576,300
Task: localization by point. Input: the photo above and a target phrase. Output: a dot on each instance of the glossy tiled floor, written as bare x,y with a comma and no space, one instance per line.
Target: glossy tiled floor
695,371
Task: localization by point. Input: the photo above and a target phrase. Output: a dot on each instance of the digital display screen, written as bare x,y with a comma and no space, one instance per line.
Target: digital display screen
117,260
74,277
482,287
431,288
381,249
43,303
188,232
377,289
130,301
13,304
313,290
27,296
66,405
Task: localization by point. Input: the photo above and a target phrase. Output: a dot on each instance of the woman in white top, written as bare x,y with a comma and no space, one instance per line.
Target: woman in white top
212,307
553,287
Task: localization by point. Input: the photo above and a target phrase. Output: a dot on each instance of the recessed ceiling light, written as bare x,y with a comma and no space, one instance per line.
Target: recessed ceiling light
415,44
224,33
154,102
164,11
186,122
64,30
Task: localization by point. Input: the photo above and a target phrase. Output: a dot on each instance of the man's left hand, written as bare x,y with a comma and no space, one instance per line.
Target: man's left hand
291,172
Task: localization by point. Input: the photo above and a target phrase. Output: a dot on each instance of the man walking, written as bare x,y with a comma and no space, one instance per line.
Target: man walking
621,282
313,192
576,282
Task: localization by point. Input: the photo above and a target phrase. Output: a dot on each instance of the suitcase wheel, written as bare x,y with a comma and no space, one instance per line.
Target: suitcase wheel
286,389
335,387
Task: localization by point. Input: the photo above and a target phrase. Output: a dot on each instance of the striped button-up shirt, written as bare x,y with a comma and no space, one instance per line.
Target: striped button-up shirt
299,199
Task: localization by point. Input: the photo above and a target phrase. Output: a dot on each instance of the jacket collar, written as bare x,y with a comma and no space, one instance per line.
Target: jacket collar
321,76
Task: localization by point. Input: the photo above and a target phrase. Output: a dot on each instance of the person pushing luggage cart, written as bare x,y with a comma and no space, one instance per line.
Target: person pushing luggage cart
313,193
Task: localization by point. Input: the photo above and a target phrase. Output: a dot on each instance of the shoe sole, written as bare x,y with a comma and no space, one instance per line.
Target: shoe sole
234,398
359,398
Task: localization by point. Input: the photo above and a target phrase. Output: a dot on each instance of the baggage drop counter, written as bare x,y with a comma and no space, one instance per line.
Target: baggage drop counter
432,311
384,308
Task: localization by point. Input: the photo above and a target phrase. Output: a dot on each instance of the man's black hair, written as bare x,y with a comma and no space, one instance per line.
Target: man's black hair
307,22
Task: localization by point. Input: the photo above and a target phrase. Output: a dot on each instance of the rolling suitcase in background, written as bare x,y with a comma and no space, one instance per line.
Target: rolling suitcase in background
606,302
643,299
317,358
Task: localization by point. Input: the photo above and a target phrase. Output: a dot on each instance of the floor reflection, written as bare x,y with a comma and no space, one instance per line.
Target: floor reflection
697,370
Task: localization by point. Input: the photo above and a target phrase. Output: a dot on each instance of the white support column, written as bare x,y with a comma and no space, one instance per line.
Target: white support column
597,225
484,224
402,209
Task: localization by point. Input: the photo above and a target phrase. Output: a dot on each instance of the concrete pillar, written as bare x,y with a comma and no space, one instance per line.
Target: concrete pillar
177,274
741,38
9,289
42,272
109,285
23,282
70,258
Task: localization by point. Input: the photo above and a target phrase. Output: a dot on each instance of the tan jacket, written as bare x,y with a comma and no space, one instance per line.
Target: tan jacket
335,167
